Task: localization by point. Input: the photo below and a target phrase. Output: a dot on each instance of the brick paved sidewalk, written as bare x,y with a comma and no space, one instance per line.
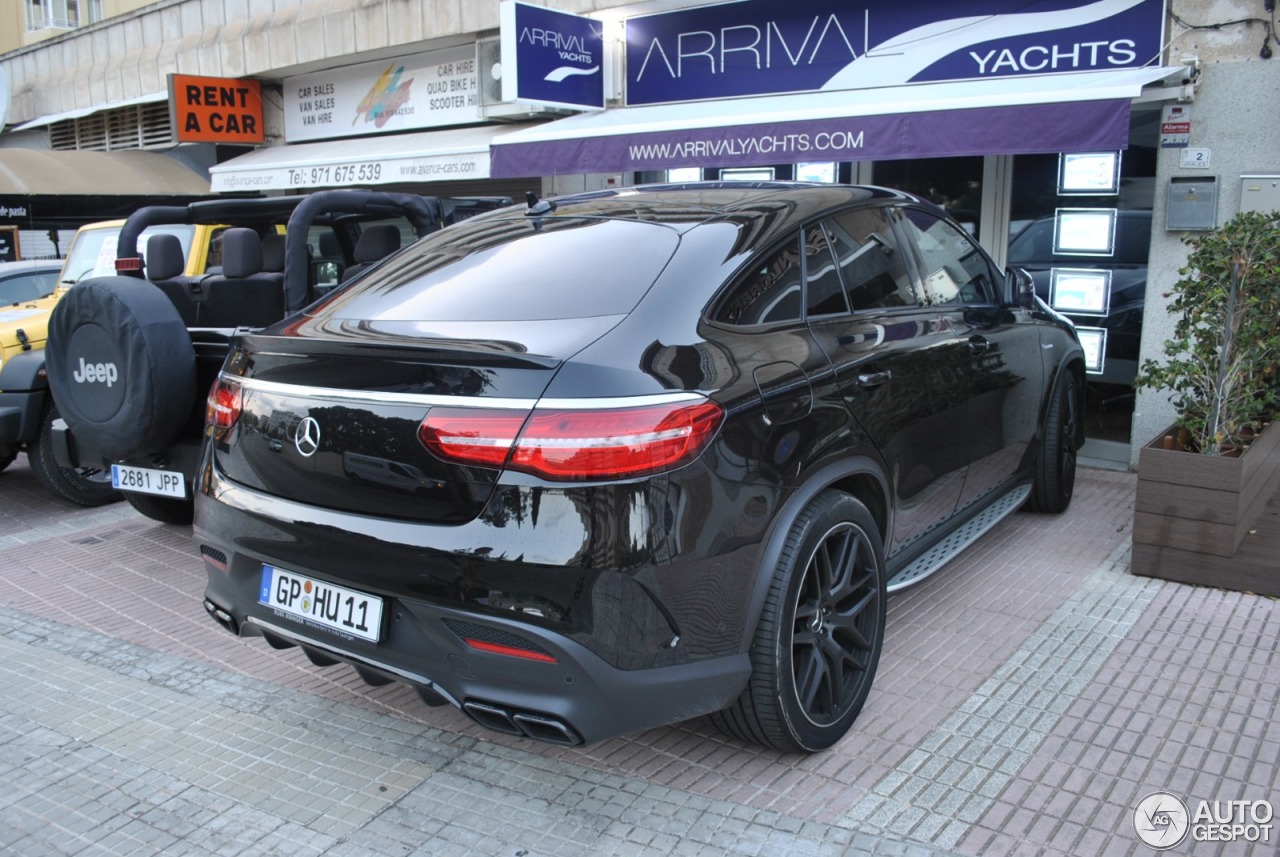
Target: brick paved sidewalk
1029,696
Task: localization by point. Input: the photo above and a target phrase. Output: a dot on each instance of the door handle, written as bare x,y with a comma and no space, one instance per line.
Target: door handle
873,379
978,345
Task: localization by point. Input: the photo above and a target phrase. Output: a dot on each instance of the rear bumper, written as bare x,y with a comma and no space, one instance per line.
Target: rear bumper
575,700
615,651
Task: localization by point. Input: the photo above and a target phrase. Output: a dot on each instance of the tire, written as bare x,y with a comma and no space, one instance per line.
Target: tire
818,641
83,486
121,366
163,509
7,455
1056,463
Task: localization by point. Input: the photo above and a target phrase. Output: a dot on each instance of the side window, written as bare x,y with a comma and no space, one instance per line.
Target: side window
771,292
822,280
955,269
874,272
213,261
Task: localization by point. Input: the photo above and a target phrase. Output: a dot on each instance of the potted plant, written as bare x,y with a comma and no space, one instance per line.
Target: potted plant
1204,484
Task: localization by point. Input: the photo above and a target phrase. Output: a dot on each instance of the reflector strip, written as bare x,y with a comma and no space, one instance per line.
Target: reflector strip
496,649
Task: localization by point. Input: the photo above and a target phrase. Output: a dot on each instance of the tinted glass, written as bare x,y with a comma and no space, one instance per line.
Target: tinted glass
822,280
27,287
771,292
1033,246
514,270
872,267
93,252
956,271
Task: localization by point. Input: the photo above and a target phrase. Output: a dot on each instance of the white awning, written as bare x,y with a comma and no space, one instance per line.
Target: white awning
79,112
128,172
668,134
450,155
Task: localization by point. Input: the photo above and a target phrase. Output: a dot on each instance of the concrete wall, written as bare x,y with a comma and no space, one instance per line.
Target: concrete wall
1234,116
132,54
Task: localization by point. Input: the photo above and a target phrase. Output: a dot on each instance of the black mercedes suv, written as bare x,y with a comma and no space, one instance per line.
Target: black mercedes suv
620,459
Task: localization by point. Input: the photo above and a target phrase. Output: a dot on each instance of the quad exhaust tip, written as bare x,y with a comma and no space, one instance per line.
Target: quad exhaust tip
539,727
222,617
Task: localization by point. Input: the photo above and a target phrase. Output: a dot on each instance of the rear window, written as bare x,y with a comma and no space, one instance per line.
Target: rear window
514,270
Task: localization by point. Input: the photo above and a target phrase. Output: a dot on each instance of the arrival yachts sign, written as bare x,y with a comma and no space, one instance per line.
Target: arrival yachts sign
758,47
551,58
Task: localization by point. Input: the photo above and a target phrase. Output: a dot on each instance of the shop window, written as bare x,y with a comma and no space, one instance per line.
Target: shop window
953,183
748,174
824,172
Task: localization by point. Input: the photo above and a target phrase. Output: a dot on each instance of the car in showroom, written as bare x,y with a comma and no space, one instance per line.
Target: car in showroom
620,459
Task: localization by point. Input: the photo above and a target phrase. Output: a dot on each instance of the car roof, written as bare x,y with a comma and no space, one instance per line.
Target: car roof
692,202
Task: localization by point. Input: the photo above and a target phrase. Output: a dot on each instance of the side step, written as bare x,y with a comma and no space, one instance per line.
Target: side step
938,556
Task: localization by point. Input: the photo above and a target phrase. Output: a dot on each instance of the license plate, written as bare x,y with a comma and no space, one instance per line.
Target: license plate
142,480
335,608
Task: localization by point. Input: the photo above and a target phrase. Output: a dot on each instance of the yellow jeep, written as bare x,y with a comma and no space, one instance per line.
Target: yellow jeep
27,411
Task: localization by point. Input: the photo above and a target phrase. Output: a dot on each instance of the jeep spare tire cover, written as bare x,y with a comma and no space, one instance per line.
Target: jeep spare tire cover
121,366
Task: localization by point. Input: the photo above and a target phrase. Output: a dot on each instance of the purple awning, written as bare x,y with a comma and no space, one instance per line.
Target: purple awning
1076,126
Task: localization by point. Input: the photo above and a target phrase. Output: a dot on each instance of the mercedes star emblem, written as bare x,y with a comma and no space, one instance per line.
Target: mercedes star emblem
307,437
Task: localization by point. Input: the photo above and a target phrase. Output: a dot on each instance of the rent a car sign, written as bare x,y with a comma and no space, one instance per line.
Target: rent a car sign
216,109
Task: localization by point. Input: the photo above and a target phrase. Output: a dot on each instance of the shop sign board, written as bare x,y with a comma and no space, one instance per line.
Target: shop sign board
551,58
369,168
216,109
762,47
9,244
1012,129
426,90
15,210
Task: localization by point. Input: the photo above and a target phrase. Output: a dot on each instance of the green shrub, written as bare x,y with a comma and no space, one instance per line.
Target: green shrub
1222,365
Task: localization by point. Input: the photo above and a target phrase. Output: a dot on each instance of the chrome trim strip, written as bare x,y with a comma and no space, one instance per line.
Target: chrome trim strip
430,401
348,658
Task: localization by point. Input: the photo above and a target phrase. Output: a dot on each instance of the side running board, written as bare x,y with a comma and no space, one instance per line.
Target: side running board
938,556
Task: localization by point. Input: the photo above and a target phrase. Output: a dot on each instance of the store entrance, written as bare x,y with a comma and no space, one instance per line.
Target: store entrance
1080,223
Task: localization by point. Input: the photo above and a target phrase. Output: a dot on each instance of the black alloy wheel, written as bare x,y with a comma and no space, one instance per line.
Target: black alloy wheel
834,624
1056,465
820,634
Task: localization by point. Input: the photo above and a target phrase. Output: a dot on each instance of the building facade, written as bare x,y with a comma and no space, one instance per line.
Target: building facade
1128,132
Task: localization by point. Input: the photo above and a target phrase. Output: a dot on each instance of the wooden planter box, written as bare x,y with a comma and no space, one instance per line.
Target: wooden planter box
1210,519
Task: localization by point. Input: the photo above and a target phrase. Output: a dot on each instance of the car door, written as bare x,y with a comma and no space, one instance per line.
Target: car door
999,370
894,357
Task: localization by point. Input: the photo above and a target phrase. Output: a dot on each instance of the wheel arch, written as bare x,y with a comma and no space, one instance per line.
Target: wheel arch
1075,365
24,371
861,478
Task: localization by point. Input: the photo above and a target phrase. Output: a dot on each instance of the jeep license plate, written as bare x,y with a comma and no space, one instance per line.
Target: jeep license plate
142,480
336,608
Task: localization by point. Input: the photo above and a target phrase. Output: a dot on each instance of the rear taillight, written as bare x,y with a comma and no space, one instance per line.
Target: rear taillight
222,408
574,444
